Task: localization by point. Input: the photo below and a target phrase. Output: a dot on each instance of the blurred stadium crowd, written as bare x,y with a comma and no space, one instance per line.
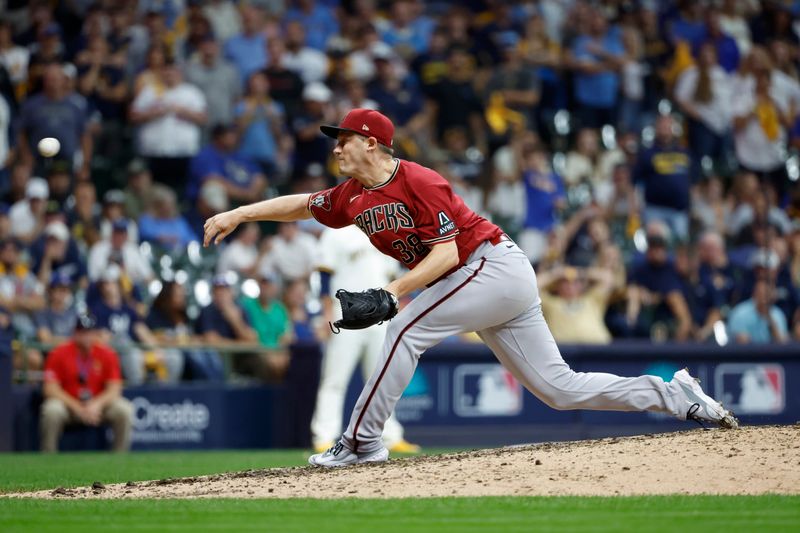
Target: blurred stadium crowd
641,152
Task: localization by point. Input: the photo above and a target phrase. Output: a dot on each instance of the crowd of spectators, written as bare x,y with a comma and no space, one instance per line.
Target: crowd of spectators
641,152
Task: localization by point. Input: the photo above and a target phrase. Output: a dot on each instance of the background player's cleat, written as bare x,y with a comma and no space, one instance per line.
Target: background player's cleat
323,446
338,455
700,406
403,446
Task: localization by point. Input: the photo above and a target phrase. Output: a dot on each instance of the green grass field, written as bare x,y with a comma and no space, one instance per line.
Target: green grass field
31,471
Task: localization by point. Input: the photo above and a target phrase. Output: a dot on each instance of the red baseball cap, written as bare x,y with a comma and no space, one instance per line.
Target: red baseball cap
366,122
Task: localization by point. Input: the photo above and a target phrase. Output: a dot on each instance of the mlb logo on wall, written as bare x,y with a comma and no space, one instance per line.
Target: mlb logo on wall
485,390
751,388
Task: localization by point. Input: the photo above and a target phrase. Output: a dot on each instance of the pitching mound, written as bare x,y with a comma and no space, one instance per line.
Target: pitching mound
751,460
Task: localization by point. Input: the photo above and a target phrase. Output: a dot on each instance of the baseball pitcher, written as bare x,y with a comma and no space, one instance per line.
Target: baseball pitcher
476,278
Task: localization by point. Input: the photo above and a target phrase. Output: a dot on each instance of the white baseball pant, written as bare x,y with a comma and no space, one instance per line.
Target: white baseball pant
494,294
343,352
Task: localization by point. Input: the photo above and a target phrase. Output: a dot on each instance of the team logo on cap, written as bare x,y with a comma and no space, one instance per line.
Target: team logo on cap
322,200
365,127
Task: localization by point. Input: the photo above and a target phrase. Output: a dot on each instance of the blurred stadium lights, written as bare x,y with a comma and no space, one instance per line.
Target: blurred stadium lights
167,274
232,277
707,163
664,107
474,155
648,136
193,252
720,333
609,136
146,250
561,122
559,163
181,277
165,261
250,288
640,240
202,293
793,168
154,287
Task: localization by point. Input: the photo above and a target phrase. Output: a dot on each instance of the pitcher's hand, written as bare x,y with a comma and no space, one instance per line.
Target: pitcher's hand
220,226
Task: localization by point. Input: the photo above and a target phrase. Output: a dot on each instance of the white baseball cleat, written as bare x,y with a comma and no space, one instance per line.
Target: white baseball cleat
700,406
338,455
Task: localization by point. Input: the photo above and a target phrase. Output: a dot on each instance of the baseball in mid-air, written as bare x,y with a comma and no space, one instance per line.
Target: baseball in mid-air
49,146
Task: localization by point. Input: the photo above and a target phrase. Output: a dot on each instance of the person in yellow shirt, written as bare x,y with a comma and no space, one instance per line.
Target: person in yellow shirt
574,302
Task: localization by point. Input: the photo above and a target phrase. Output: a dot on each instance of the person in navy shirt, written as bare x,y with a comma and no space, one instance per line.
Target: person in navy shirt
123,327
225,322
663,171
655,291
55,252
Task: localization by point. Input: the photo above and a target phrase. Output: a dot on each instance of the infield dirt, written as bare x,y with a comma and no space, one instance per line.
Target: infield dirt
751,460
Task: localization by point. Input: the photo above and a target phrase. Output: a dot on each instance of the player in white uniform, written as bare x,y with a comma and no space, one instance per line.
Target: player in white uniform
347,260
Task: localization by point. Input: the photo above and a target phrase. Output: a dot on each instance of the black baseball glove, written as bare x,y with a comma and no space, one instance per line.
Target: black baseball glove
363,309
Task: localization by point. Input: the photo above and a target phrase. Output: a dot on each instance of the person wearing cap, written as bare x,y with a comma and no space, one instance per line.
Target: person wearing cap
122,327
573,296
472,277
56,323
219,162
72,131
310,146
27,216
57,252
83,386
224,322
118,249
654,286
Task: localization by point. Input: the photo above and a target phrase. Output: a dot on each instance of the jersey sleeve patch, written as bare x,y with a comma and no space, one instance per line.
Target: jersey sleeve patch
322,200
445,224
326,206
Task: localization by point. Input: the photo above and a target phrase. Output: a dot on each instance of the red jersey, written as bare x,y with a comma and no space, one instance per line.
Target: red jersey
412,210
75,373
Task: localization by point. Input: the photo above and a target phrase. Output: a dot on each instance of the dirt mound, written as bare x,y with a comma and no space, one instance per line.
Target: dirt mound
751,460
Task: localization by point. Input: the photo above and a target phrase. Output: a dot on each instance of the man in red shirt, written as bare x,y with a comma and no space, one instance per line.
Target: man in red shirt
477,279
83,385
